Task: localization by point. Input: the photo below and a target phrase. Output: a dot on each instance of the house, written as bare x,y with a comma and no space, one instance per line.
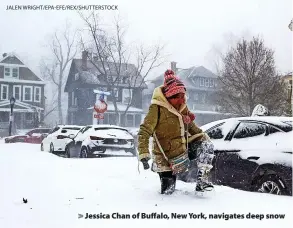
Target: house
20,82
84,79
201,84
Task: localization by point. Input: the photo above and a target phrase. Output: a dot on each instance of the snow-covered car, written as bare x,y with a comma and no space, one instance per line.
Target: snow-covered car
100,140
32,136
252,153
58,137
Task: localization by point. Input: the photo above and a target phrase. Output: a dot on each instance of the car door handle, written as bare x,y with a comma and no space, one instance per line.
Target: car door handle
253,158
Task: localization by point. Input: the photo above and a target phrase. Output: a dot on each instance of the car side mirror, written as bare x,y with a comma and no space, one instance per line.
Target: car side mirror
71,136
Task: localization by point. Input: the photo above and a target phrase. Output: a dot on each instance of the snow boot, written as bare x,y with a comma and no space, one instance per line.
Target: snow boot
168,185
202,184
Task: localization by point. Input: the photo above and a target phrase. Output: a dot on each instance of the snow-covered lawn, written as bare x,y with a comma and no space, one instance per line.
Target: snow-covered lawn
58,189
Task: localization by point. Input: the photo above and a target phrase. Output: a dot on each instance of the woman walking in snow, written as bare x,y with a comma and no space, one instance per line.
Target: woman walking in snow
170,123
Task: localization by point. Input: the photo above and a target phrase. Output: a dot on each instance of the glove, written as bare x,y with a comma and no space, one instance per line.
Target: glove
145,163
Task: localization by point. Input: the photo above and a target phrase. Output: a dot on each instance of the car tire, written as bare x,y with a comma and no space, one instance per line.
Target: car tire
271,184
51,148
83,152
42,147
67,152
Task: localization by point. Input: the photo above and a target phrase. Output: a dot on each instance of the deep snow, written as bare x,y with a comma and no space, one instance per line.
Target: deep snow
58,189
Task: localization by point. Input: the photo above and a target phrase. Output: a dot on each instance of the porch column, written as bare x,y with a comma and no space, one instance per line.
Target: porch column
22,120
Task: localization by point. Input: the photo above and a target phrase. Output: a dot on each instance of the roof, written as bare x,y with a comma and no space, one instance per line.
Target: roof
91,75
13,59
18,106
199,71
187,74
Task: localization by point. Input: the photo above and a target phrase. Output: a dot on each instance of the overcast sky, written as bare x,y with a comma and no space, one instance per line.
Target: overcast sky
189,28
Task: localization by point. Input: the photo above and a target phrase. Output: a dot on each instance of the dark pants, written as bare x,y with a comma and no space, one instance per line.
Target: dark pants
168,182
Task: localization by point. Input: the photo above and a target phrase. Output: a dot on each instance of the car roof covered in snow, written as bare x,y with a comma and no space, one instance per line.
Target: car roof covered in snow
107,126
64,126
268,119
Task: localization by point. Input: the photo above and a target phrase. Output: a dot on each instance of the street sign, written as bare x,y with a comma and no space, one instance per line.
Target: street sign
99,116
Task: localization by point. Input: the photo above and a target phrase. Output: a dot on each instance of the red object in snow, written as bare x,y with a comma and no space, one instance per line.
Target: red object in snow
34,136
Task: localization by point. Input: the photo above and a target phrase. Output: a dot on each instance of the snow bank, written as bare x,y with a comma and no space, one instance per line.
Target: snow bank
58,189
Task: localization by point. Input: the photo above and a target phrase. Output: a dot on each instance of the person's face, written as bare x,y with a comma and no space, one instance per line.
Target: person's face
178,99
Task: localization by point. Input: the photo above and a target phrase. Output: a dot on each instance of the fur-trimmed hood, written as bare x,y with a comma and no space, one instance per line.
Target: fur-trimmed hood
158,98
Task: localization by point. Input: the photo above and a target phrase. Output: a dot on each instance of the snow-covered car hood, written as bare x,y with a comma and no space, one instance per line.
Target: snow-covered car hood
112,133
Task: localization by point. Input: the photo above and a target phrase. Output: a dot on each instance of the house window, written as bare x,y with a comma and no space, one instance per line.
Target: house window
4,92
212,83
17,92
129,120
201,82
194,107
37,94
11,72
207,82
126,96
195,96
28,93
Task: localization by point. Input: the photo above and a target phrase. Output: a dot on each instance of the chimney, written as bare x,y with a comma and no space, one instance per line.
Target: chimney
4,55
84,59
173,67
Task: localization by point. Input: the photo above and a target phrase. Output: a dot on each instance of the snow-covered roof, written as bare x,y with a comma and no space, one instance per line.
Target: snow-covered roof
24,106
196,71
91,75
121,107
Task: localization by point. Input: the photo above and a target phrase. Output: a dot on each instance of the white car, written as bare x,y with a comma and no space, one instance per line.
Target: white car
251,153
101,140
251,133
58,137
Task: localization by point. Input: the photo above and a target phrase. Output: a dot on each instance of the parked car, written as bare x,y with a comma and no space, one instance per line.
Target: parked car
58,137
252,153
32,136
96,140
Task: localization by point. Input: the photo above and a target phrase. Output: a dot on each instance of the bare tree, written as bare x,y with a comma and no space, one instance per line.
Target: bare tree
63,49
110,55
248,78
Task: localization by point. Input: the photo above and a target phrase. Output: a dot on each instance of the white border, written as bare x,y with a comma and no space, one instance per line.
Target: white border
7,86
17,86
23,93
35,88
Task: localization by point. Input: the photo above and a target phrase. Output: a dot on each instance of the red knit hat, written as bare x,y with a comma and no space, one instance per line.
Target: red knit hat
172,84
